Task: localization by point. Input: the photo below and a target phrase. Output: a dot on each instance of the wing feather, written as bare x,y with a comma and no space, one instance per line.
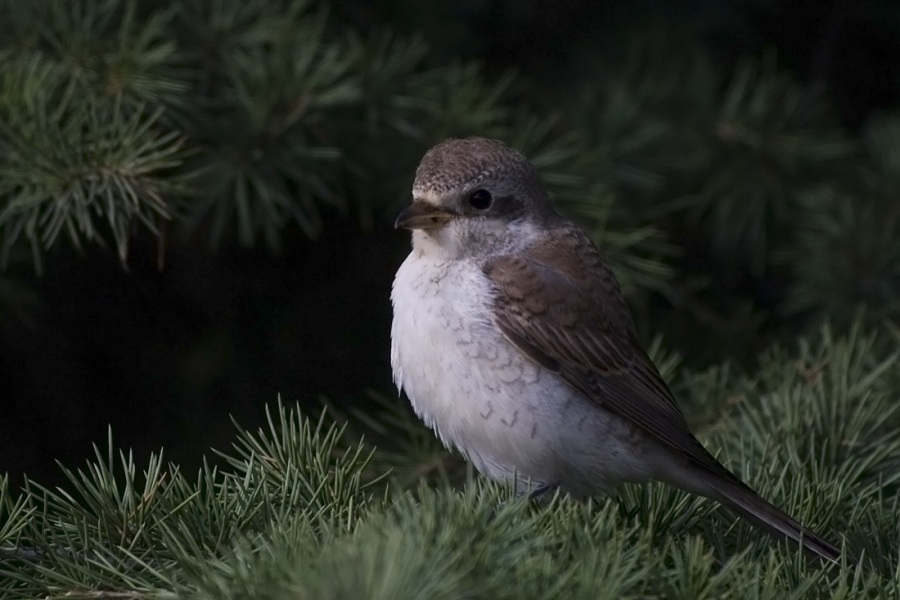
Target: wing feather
562,307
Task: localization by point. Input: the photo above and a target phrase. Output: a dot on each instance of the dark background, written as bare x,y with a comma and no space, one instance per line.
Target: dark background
167,348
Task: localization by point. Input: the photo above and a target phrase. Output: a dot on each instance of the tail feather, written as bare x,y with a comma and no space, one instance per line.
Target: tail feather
751,506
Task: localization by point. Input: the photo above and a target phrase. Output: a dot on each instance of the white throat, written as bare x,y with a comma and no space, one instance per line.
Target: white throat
474,239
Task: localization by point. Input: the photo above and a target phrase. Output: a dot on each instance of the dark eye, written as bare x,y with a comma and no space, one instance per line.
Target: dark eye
480,199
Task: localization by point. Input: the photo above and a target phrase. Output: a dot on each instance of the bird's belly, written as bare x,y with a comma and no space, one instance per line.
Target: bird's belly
506,414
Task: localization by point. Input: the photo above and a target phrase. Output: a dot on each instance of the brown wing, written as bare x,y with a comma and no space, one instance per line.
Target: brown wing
561,306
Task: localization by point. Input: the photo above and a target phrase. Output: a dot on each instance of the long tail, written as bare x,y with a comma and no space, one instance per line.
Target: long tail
750,505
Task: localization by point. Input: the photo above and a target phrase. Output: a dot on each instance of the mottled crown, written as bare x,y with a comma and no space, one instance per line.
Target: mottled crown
455,163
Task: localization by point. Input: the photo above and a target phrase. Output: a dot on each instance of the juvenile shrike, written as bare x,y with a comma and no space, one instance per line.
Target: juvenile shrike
514,343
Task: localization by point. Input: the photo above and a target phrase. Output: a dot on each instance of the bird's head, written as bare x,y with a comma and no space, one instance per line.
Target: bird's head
474,196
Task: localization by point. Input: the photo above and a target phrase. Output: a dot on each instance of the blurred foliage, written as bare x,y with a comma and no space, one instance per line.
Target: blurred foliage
846,254
236,120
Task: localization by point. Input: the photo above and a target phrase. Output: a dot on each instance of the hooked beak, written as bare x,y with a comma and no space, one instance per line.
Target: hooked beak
422,215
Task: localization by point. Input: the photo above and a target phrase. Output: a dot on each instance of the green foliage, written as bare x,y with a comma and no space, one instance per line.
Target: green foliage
107,49
268,160
261,114
735,195
725,196
84,171
118,527
297,509
846,255
777,134
734,170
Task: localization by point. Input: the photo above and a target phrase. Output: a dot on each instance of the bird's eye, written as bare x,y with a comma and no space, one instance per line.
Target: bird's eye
480,199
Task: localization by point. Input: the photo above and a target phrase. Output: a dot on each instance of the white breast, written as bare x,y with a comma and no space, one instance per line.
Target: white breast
458,372
483,397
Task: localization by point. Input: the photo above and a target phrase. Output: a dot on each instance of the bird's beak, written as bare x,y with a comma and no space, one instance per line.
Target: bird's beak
422,215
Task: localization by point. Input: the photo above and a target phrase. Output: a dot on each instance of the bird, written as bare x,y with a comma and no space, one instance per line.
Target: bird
514,343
